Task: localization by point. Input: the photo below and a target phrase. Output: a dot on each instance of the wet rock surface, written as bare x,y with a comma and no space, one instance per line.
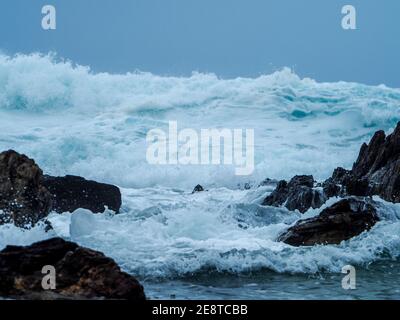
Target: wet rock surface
72,192
376,170
297,194
27,196
342,221
81,273
23,199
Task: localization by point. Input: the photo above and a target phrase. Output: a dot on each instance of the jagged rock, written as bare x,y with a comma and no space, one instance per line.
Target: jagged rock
376,171
376,154
80,273
341,176
344,220
379,164
278,196
343,183
23,199
331,189
198,188
304,199
71,193
298,194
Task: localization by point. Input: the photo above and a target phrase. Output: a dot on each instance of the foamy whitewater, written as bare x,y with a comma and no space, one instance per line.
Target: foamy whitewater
74,121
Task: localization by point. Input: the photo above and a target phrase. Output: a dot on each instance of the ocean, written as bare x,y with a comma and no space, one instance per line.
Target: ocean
218,244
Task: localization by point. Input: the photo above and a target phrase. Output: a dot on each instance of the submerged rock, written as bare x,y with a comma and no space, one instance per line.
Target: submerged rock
71,193
23,199
298,194
80,273
268,182
342,221
198,188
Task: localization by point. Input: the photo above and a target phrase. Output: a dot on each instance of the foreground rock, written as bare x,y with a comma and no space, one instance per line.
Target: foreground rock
71,193
23,198
298,194
27,196
80,273
344,220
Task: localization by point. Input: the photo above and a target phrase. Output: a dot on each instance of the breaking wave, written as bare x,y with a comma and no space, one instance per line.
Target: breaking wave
74,121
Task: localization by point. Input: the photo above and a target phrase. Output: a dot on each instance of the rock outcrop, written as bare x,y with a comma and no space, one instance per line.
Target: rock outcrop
344,220
23,198
376,171
27,196
297,194
71,193
80,273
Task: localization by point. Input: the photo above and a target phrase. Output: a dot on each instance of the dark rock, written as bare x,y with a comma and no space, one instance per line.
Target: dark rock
268,182
298,194
23,199
379,164
376,171
278,196
80,273
71,193
198,188
247,186
27,196
373,156
305,181
341,176
304,199
343,183
331,189
342,221
357,187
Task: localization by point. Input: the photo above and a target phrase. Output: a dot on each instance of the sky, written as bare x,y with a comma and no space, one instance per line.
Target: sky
230,38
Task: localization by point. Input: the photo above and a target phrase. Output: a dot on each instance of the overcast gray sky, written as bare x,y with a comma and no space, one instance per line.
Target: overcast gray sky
228,37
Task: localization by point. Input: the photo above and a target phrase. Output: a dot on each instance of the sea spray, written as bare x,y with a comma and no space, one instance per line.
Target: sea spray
74,121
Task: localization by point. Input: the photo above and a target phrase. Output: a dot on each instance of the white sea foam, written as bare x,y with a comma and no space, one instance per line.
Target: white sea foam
73,121
165,233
